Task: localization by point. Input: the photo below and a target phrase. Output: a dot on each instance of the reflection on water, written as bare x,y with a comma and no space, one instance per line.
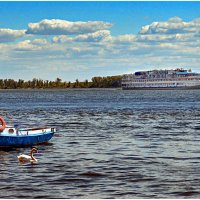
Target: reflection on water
109,144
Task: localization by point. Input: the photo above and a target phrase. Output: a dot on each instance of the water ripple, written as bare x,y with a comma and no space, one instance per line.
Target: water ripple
109,144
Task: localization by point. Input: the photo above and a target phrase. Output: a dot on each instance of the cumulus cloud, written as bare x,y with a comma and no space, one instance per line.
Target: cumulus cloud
64,27
25,45
39,42
62,39
81,52
172,26
90,37
9,35
58,43
124,39
31,45
93,37
154,43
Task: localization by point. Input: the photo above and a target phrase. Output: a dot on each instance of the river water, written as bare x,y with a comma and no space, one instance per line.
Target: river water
109,144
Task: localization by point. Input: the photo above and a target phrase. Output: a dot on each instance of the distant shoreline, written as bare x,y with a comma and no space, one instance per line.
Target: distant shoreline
96,82
29,89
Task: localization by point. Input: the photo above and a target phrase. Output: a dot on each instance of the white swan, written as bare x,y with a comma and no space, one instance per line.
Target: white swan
28,158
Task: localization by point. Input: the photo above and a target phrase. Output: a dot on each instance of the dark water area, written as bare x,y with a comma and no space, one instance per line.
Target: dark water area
109,144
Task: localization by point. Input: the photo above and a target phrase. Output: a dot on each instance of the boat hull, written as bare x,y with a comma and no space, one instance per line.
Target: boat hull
25,140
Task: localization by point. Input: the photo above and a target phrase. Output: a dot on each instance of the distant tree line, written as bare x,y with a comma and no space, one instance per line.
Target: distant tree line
97,82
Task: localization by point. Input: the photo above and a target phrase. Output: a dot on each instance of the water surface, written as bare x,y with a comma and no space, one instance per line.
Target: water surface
109,144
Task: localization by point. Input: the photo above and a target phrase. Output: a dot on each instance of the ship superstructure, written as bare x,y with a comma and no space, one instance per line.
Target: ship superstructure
162,79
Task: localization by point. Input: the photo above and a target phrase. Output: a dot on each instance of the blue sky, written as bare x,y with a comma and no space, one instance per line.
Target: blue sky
84,39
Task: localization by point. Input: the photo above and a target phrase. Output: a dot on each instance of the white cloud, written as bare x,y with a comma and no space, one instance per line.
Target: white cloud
89,37
101,44
93,37
124,39
31,45
39,42
62,39
175,20
172,26
9,35
159,44
63,27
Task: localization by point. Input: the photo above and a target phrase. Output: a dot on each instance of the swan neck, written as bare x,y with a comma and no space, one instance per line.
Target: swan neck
31,154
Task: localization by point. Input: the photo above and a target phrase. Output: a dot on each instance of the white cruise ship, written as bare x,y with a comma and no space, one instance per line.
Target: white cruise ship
162,79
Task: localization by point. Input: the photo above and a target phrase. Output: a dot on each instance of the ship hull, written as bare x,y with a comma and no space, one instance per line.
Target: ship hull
163,88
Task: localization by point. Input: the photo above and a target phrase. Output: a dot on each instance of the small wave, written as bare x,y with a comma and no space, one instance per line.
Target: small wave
186,194
196,127
92,174
163,127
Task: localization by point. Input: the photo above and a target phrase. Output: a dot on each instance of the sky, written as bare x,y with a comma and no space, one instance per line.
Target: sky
80,40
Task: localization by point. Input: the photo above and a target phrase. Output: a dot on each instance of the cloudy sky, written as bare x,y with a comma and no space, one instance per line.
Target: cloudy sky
81,40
